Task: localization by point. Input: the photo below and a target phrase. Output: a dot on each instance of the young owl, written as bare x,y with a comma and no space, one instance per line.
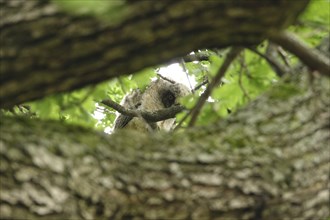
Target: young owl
158,95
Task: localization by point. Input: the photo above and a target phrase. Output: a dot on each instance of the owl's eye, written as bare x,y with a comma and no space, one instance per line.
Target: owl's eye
168,99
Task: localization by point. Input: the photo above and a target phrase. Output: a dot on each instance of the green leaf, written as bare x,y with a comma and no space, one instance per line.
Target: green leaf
142,78
46,108
208,114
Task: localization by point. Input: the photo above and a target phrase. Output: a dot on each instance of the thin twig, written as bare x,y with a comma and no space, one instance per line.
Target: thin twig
283,55
240,83
311,57
155,116
186,72
165,78
182,120
279,69
216,80
242,87
246,69
206,81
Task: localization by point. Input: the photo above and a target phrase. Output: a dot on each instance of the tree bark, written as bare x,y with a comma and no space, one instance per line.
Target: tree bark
267,161
45,50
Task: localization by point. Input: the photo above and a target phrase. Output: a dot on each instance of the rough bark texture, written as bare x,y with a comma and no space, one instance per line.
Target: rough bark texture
69,52
268,161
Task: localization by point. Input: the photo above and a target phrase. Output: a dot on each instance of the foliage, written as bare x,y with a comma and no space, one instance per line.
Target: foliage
314,24
248,76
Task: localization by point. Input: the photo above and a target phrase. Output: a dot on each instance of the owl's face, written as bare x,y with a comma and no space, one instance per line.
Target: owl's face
162,94
167,98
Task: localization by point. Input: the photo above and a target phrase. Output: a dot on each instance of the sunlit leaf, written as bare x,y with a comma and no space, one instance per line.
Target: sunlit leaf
142,78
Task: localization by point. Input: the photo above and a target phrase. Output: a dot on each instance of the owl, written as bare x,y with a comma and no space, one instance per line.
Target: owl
160,94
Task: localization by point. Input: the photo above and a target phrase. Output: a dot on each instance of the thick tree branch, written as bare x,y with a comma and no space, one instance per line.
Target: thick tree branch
45,50
268,161
159,115
311,57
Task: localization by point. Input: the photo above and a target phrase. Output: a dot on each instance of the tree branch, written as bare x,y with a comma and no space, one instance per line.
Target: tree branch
279,69
183,66
159,115
311,57
249,166
204,82
215,81
240,83
165,78
61,52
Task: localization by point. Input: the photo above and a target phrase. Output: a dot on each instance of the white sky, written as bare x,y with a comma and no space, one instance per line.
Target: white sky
175,72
